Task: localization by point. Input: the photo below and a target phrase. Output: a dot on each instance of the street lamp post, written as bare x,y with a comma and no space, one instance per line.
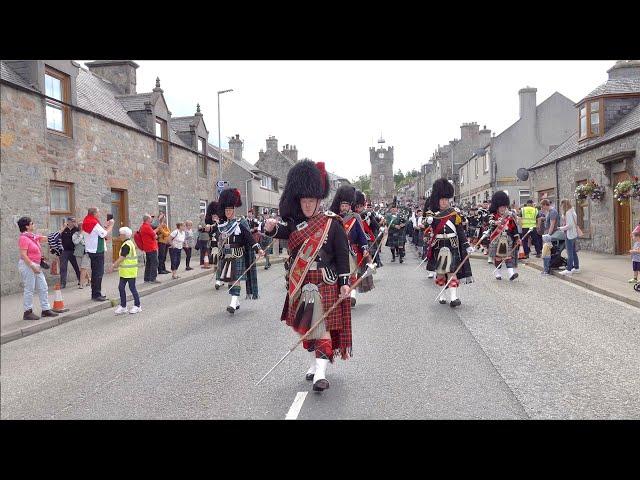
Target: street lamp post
219,143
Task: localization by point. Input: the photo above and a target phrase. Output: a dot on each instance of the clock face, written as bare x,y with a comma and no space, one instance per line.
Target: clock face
381,155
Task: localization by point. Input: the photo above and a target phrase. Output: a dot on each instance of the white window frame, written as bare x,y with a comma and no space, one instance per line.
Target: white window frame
163,205
266,182
203,206
527,196
486,163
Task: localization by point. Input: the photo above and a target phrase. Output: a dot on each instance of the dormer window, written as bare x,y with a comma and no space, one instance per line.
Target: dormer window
590,119
57,88
202,145
162,146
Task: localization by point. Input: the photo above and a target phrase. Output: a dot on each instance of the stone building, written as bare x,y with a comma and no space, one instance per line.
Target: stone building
606,148
382,183
276,163
73,138
475,178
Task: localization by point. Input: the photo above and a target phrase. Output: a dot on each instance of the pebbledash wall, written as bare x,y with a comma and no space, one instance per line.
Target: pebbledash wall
101,155
585,166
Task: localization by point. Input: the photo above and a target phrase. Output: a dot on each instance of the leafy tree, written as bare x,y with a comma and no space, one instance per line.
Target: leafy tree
363,183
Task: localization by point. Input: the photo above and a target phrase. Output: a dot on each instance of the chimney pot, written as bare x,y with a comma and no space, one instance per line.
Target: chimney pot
121,73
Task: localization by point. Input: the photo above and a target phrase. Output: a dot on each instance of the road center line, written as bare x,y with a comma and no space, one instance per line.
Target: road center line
294,411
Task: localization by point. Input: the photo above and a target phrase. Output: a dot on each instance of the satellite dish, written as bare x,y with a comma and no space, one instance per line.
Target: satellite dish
522,174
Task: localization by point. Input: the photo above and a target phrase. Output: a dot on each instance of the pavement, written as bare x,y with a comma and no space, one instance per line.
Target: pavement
564,353
78,301
600,272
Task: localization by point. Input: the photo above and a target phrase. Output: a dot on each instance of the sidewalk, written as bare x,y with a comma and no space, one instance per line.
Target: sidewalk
79,302
600,272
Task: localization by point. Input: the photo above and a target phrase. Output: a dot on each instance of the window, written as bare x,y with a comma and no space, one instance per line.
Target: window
524,196
476,166
60,203
486,162
162,146
549,194
583,211
265,182
57,88
591,119
202,166
468,174
163,206
203,206
202,146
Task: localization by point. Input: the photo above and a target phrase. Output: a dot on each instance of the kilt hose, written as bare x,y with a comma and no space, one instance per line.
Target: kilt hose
338,322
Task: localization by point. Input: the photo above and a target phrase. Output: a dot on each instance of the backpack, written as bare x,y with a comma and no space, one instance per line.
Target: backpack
137,238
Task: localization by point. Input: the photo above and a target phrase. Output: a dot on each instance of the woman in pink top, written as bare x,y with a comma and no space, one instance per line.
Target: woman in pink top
29,267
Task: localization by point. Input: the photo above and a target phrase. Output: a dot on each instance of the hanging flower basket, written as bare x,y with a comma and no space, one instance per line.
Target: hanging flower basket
623,191
590,189
583,191
635,189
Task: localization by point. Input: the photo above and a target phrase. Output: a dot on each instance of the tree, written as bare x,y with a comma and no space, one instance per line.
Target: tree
363,183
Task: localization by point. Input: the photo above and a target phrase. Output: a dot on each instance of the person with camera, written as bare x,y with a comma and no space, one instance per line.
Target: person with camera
95,238
69,228
30,266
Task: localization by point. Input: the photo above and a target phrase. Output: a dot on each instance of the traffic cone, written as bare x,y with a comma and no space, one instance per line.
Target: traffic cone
58,304
206,261
521,254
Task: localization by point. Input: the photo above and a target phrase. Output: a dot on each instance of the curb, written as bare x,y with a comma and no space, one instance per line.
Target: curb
588,286
16,334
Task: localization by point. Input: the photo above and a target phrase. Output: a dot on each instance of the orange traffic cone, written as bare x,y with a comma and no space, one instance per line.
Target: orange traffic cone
521,254
58,304
206,261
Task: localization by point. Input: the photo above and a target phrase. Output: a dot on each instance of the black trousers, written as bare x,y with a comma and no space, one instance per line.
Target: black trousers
151,266
187,252
67,256
97,272
175,254
162,257
204,250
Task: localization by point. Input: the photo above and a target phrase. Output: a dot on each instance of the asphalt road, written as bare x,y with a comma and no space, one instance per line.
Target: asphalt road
535,348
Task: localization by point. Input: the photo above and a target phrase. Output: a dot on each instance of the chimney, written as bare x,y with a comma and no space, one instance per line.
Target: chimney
290,152
527,102
235,145
485,136
468,131
625,69
272,144
121,73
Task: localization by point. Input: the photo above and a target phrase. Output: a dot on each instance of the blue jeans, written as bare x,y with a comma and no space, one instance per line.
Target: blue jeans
134,291
572,255
547,264
31,282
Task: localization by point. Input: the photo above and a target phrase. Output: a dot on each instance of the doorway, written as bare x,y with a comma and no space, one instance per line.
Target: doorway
120,216
622,219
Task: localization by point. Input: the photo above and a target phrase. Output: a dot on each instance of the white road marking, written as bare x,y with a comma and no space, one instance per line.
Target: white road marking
294,411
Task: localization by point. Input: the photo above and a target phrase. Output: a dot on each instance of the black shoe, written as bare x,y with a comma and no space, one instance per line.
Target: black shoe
514,276
231,310
153,281
29,315
163,273
401,260
267,267
538,255
309,376
217,287
101,298
188,268
455,303
49,313
353,302
321,385
442,301
393,259
63,286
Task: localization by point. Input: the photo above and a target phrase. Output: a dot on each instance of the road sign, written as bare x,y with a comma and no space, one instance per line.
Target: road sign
221,185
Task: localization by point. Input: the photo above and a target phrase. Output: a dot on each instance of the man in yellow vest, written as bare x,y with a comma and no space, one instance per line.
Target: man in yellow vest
127,265
529,215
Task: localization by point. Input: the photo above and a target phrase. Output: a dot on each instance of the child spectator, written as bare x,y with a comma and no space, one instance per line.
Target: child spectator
175,250
546,254
635,254
127,265
189,242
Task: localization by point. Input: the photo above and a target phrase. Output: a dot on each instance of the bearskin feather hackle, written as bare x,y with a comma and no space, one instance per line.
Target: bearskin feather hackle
229,197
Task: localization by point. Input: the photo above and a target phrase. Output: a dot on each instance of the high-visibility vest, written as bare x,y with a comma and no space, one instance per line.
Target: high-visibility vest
129,266
529,215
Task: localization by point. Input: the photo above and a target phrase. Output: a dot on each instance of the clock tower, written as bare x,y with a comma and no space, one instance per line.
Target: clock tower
382,184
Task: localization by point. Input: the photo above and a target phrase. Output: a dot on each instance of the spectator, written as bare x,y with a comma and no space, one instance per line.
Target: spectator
127,265
529,215
551,217
163,244
546,254
30,270
82,259
95,246
69,228
150,248
189,242
572,231
176,240
203,240
635,254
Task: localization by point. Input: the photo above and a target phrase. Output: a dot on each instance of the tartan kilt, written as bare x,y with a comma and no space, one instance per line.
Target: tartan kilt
237,268
510,262
397,240
338,321
366,285
264,242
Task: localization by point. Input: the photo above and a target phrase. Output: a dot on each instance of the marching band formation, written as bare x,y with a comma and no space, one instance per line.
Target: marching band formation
334,253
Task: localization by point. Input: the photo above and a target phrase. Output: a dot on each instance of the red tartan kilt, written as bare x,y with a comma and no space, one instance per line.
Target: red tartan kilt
338,321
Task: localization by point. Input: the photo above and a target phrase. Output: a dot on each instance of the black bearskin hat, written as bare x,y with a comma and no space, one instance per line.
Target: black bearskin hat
499,199
427,205
212,209
346,193
360,199
229,197
441,188
306,179
394,204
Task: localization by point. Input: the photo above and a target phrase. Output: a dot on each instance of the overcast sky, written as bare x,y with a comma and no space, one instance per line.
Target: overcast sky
333,111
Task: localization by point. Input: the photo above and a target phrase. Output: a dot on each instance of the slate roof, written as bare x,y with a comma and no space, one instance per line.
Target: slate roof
571,146
132,103
9,75
181,124
249,167
616,86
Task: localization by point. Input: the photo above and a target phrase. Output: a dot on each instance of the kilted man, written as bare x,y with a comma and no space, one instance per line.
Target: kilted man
317,268
396,223
449,245
427,234
266,245
372,220
236,249
504,236
484,217
359,207
352,223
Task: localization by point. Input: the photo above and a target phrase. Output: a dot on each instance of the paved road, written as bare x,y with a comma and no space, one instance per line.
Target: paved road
563,353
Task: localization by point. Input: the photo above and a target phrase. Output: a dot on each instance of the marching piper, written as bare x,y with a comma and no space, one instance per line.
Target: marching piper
396,223
317,268
237,247
504,236
366,284
449,243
